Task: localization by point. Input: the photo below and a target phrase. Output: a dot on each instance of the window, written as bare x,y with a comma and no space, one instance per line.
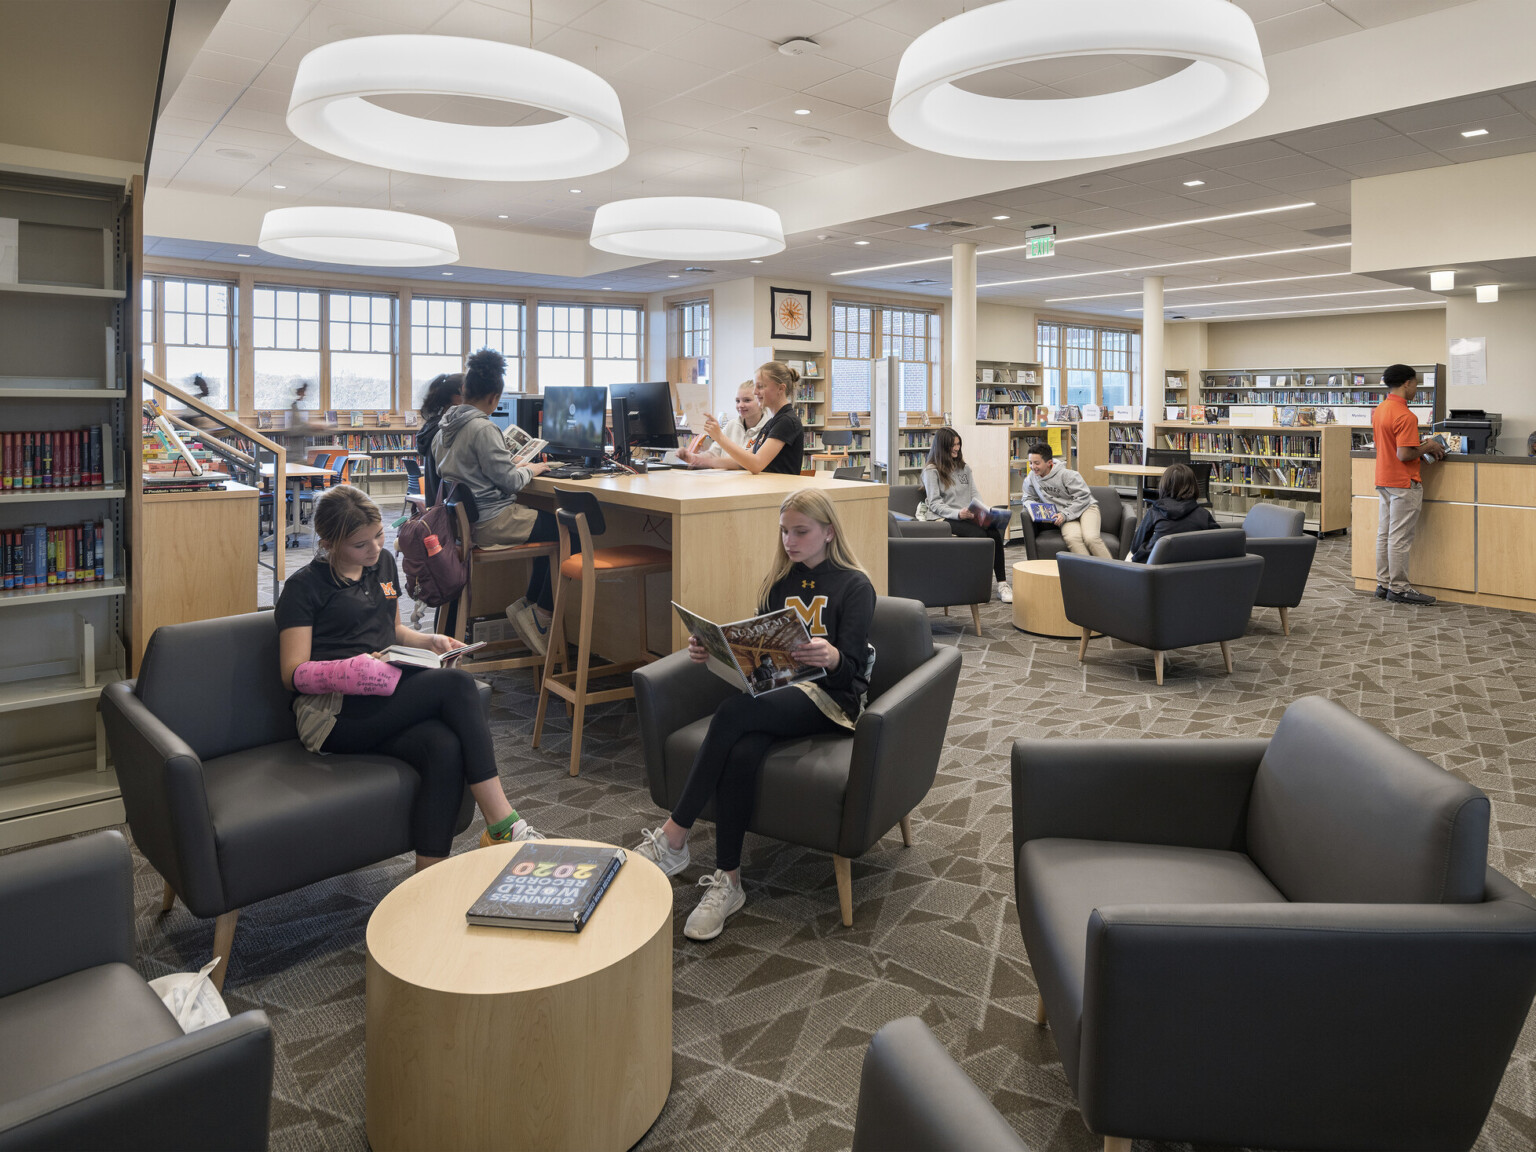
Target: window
615,346
864,333
187,332
362,348
285,328
689,333
498,324
437,343
1086,365
585,344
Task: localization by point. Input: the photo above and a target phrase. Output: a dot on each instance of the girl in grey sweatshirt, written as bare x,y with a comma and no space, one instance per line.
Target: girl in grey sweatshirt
948,490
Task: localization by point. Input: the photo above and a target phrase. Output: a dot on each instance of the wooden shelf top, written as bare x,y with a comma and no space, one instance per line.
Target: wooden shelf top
49,495
29,795
21,596
19,694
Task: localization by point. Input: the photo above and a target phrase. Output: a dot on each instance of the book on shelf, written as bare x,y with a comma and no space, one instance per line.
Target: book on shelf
985,516
988,375
355,418
1175,412
1197,414
553,887
754,655
404,656
44,556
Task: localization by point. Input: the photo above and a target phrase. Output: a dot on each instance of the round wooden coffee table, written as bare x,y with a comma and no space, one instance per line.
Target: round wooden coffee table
1037,600
514,1038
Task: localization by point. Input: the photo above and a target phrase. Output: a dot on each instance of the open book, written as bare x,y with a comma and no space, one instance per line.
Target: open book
1040,512
522,446
403,656
754,655
987,517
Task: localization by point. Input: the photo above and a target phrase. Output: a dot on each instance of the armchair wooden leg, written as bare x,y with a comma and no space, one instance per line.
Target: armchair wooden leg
1226,654
223,944
1082,646
906,830
1040,1012
843,867
1285,621
1117,1144
946,609
1157,665
976,617
167,899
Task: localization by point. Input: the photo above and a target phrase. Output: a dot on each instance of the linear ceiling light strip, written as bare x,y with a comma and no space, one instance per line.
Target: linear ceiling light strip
1174,264
1279,299
1320,311
1202,287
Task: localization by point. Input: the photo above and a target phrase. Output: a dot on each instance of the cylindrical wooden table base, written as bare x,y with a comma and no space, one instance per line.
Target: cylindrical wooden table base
484,1038
1037,600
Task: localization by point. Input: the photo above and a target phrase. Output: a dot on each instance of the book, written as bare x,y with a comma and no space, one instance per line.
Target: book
1197,413
522,446
404,656
554,887
754,655
1040,512
984,516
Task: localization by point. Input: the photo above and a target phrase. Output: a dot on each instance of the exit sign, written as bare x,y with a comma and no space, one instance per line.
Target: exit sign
1039,241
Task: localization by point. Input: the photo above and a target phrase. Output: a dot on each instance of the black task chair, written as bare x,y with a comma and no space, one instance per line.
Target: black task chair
1161,458
415,498
852,472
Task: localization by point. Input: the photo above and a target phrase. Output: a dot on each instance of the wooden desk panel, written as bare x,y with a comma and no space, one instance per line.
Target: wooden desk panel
1443,547
1506,549
1450,480
1507,484
1362,475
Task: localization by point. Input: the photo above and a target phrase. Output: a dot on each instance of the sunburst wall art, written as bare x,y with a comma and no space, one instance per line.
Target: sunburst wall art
791,314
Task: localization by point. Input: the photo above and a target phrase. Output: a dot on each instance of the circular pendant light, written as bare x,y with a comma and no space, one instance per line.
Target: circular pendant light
687,228
331,109
1224,82
372,236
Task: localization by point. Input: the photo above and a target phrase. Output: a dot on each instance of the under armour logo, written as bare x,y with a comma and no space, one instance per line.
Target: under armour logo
807,583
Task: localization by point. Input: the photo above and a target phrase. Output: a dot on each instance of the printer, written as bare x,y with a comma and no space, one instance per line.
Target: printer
1470,430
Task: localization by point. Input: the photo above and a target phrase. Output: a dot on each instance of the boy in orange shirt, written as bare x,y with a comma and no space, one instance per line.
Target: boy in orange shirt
1398,452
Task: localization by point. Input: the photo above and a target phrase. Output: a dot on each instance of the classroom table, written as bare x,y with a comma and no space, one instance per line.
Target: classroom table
1132,469
295,473
722,529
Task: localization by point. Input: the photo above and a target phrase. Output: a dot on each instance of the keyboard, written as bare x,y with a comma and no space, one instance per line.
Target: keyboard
569,472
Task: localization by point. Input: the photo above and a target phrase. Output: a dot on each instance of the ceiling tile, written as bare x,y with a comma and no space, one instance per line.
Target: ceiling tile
1337,135
1372,13
1447,113
857,89
275,15
1500,129
785,19
635,22
1269,9
862,44
1302,27
590,50
1368,151
718,47
1488,149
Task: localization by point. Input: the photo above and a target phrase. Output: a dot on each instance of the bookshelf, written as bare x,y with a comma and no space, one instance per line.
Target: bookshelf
383,436
811,394
1007,392
1176,387
1350,392
68,335
1304,468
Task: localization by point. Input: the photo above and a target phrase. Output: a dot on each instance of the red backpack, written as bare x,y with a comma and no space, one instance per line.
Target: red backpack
429,557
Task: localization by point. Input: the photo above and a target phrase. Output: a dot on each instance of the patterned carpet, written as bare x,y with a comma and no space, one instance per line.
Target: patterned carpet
772,1019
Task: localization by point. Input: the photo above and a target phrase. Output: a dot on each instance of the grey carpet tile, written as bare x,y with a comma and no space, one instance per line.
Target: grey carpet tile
771,1020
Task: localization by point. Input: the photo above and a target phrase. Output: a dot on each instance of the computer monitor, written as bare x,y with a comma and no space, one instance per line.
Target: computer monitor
574,420
651,423
529,411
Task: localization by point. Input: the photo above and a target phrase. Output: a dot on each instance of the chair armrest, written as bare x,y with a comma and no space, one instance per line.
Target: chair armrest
1287,564
1027,535
1109,596
672,693
1175,997
926,530
161,779
65,907
1191,793
896,747
1128,521
913,1096
209,1089
954,570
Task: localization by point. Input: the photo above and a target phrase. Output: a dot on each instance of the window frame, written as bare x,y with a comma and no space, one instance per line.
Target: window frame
534,331
933,341
155,338
1053,357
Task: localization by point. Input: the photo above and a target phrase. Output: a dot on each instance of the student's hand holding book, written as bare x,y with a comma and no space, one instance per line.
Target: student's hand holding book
696,651
818,652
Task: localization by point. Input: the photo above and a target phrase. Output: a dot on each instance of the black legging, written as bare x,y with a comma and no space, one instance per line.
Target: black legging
971,528
731,756
541,589
434,723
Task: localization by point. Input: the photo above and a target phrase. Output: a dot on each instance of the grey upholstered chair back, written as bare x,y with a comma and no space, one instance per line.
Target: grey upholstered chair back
904,498
218,684
1212,544
892,526
1269,520
1340,813
1111,510
903,639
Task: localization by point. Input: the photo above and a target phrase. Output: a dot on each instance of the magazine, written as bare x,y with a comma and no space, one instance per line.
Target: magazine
1041,512
984,516
522,446
754,655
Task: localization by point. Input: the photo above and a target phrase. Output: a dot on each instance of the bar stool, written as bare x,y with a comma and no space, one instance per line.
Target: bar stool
831,439
501,654
580,511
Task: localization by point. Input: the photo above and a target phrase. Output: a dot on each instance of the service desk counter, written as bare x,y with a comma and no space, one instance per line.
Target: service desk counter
1476,540
722,530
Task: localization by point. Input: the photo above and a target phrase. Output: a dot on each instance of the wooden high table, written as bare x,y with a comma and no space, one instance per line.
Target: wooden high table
722,528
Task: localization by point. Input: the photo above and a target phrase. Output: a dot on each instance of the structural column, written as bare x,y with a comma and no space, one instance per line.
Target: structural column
1152,366
962,336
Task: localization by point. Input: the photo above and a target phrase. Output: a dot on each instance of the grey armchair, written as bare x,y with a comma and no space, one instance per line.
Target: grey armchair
1197,588
830,793
1283,943
903,500
938,569
1276,534
222,798
914,1097
1117,528
89,1056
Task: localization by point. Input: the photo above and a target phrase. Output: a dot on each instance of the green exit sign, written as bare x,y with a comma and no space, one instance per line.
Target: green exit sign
1040,246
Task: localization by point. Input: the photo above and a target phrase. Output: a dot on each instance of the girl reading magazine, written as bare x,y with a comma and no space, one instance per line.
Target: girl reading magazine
819,577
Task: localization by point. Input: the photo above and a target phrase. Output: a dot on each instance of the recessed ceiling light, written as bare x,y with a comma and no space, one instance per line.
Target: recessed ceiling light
1487,293
861,242
502,216
1193,183
1002,217
447,273
575,191
279,186
672,275
756,261
1475,132
607,289
802,111
1442,281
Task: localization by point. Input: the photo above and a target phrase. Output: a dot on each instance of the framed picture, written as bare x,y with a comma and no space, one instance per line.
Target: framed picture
791,314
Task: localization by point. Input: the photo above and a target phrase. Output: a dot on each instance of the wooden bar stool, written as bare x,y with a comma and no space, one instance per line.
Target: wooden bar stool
832,439
501,654
580,511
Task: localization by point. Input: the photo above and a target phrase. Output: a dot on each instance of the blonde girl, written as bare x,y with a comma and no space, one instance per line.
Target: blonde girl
779,446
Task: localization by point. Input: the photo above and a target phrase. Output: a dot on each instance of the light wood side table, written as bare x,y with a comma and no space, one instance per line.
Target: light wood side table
482,1038
1037,600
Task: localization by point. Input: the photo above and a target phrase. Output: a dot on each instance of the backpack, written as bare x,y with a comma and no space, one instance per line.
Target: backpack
429,557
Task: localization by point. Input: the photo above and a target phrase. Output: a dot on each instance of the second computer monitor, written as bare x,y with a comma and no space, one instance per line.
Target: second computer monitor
651,424
574,420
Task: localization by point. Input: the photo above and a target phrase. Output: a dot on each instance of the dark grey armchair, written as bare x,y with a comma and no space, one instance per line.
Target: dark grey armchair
903,500
1283,943
939,569
915,1098
222,798
1117,528
1276,534
1197,588
830,793
89,1056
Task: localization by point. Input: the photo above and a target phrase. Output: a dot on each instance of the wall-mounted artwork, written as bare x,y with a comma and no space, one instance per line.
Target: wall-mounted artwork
791,311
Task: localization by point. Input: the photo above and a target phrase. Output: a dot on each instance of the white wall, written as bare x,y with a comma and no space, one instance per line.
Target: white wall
1510,328
1005,332
733,341
1362,340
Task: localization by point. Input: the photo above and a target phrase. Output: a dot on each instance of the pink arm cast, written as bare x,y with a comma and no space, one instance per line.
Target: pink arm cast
362,675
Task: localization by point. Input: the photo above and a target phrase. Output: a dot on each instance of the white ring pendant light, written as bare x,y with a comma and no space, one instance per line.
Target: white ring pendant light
687,228
331,109
1224,83
372,236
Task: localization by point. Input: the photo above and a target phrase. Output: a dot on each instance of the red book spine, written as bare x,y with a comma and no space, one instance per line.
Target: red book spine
8,474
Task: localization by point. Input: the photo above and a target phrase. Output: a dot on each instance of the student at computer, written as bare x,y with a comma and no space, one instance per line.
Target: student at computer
741,430
445,392
779,445
334,616
1176,509
471,450
948,491
817,575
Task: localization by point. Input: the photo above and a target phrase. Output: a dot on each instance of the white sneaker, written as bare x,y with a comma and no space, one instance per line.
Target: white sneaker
527,832
526,622
654,847
1005,591
721,899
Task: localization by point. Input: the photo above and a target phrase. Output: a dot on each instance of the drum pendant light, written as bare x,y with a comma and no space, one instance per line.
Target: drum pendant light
331,108
1224,82
687,228
371,236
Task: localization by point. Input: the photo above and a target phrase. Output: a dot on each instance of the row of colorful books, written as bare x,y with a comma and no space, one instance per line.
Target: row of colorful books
38,556
1243,443
53,460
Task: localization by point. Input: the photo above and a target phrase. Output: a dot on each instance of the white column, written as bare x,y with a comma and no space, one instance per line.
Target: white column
962,338
1152,365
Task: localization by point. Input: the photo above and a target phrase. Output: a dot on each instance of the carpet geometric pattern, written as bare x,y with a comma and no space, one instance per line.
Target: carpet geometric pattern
771,1020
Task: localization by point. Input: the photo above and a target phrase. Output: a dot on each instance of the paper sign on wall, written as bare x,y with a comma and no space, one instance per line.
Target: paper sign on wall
1469,362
